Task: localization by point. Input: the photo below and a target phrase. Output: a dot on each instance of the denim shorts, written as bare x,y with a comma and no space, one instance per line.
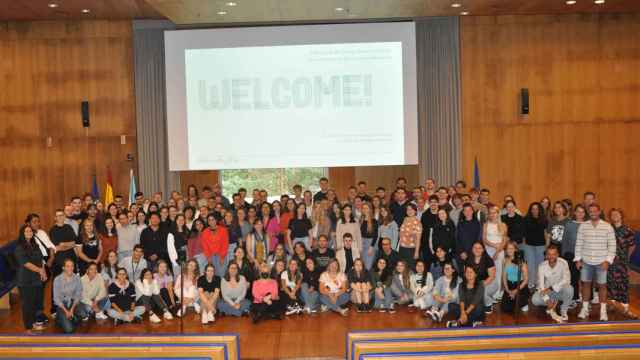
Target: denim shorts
588,272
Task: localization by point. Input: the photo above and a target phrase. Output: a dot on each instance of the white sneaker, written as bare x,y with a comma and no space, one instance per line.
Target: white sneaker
524,308
564,316
204,318
290,310
344,311
211,317
603,314
154,318
307,310
324,308
196,307
584,312
167,315
101,316
595,299
554,315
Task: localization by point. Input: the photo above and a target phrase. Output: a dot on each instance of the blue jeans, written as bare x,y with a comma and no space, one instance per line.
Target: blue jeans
69,325
589,272
218,263
477,314
202,262
534,256
565,295
138,311
230,256
385,302
104,304
225,308
368,260
342,299
310,298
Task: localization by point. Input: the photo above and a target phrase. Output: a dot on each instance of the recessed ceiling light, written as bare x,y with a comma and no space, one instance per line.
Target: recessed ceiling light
599,2
86,11
571,2
53,5
338,9
231,3
222,13
464,13
456,5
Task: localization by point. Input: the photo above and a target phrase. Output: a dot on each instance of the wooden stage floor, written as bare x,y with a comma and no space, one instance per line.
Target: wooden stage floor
300,336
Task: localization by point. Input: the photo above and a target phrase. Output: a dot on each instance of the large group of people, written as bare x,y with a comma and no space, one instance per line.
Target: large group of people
449,252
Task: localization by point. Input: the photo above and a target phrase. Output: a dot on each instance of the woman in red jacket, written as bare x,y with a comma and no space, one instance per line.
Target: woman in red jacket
215,243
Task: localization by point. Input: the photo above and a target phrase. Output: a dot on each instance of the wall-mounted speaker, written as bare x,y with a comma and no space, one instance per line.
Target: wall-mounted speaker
524,101
84,109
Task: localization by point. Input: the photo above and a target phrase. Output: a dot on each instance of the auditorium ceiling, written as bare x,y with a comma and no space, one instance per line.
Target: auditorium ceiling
267,11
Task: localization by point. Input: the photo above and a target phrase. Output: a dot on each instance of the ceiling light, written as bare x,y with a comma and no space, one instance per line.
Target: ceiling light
456,5
338,9
222,12
464,13
571,2
86,11
53,5
231,3
599,2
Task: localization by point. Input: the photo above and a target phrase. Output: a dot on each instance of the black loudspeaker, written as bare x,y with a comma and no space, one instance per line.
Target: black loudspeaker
84,108
524,101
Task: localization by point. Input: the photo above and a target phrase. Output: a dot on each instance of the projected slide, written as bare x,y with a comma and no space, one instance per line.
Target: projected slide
298,105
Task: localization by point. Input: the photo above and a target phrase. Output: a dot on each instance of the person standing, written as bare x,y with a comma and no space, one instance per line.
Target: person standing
618,274
410,236
64,239
535,223
30,277
595,251
128,236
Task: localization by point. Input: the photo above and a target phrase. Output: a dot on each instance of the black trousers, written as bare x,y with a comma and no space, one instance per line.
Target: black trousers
264,311
575,274
32,300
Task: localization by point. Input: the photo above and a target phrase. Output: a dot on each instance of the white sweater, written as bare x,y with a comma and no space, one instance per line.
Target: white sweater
147,288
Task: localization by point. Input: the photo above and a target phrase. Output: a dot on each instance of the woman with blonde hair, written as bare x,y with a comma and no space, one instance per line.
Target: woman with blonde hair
495,240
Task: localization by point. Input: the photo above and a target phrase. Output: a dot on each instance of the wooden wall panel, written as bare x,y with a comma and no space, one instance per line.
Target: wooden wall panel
386,176
198,178
47,69
340,178
583,130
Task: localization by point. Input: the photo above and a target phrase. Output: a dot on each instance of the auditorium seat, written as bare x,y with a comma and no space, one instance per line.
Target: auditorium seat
213,347
394,338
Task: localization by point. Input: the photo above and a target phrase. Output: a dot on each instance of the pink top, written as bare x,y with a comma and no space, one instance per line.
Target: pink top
272,227
264,287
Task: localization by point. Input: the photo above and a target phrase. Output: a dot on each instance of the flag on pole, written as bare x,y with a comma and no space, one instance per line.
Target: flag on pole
476,174
95,193
132,187
108,189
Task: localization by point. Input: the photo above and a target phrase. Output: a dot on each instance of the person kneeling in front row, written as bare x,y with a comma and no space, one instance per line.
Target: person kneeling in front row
94,294
122,295
67,293
554,285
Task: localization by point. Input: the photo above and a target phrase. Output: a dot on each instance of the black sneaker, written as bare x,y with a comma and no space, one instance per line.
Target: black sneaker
452,324
137,320
488,310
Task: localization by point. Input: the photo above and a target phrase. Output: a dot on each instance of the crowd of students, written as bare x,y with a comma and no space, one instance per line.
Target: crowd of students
447,251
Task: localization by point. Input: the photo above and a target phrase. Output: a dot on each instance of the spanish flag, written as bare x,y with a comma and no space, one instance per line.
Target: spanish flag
108,190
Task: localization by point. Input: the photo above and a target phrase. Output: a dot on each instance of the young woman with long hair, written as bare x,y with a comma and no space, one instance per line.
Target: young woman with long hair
495,239
445,292
401,285
618,273
387,228
90,249
148,293
300,228
333,289
348,224
360,284
208,294
410,236
291,283
468,312
381,281
515,279
30,277
233,291
422,286
185,287
535,223
369,233
163,278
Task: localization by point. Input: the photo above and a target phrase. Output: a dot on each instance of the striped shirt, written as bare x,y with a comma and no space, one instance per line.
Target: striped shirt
595,243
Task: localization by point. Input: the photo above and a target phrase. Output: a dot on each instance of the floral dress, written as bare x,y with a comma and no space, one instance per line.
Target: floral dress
618,275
